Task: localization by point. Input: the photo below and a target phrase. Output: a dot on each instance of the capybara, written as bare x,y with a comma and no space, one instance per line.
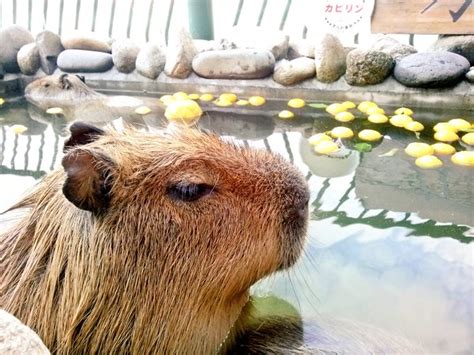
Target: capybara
148,243
79,102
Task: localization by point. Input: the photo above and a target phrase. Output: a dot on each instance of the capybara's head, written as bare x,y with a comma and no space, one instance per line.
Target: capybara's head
58,91
151,242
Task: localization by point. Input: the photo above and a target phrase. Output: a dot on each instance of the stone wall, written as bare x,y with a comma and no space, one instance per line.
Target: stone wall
251,59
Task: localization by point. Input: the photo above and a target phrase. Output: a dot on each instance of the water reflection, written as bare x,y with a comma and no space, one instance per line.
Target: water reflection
363,266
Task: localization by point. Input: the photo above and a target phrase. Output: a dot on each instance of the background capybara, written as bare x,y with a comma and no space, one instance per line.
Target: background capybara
79,102
147,243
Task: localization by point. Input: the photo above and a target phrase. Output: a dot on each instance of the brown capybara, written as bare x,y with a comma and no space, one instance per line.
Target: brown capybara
79,102
148,244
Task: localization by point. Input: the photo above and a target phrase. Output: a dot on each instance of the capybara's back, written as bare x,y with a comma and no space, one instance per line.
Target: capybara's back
144,243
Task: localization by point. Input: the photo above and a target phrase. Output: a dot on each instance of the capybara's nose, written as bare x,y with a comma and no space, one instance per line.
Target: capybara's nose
302,206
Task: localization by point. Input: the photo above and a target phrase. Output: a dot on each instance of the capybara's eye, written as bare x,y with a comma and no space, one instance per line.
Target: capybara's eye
188,191
46,85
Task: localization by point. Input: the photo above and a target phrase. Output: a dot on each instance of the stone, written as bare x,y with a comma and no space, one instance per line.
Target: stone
28,59
292,72
367,67
49,46
300,48
393,48
86,40
234,64
203,45
462,45
179,54
256,37
151,60
12,38
470,75
330,58
17,338
431,69
124,55
77,60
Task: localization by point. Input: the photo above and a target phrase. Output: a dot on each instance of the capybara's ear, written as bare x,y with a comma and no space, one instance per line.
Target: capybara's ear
65,84
82,133
81,78
88,181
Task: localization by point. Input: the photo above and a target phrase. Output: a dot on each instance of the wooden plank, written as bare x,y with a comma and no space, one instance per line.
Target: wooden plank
423,16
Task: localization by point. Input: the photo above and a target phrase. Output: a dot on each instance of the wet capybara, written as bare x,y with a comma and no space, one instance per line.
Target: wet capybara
148,244
79,102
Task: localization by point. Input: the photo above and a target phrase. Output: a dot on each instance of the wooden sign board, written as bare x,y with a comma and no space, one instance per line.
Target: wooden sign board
423,16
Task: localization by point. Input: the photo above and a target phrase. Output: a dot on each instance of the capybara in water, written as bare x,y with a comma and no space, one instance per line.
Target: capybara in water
148,243
79,102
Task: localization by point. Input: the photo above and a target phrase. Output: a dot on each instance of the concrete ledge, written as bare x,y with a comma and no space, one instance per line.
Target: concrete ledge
390,92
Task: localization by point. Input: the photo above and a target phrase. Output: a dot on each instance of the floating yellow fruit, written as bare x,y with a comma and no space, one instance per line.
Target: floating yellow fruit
256,100
2,101
348,104
428,162
344,116
400,120
194,96
167,99
54,110
375,109
18,128
378,118
180,95
222,103
334,109
286,115
369,135
459,124
443,149
185,111
403,111
341,132
444,126
206,97
417,149
326,147
228,97
242,103
446,136
365,105
414,126
464,158
296,103
315,139
142,110
468,138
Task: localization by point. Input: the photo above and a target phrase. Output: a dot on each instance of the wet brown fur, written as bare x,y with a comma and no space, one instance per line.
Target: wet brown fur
149,273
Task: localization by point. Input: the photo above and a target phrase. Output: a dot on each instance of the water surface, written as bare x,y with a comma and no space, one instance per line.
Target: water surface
389,245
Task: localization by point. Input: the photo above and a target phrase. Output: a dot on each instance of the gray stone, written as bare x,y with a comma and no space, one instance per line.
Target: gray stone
462,45
367,67
17,338
330,58
12,38
86,40
179,54
28,59
260,38
431,69
470,75
393,48
151,60
49,46
77,60
124,55
203,45
234,64
300,48
291,72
